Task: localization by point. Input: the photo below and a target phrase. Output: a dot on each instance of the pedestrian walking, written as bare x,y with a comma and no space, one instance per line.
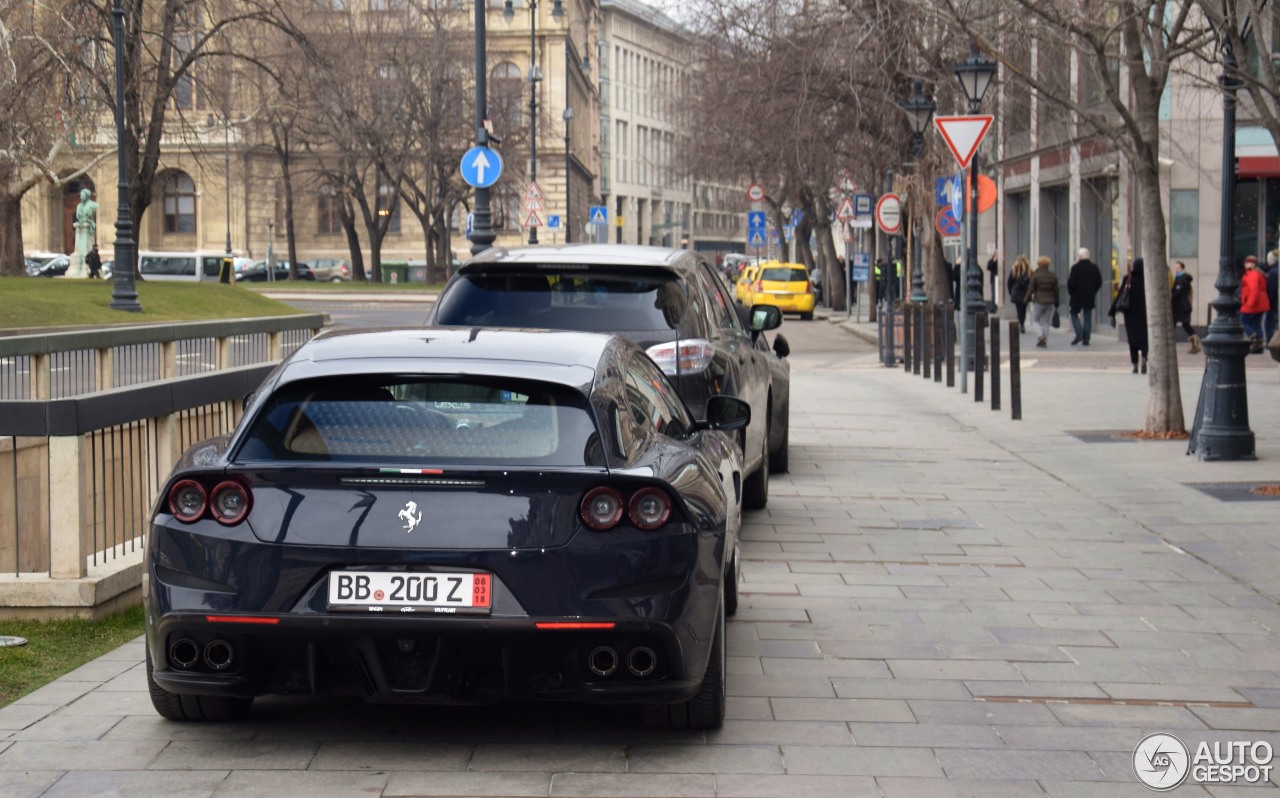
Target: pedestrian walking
1016,286
1180,297
955,283
1131,302
1254,304
1083,284
993,271
1042,291
94,261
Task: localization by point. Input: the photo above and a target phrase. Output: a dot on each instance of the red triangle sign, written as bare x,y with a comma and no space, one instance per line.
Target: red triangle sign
845,212
963,134
533,192
532,220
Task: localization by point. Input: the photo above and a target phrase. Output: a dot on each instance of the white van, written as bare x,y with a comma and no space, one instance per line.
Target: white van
180,265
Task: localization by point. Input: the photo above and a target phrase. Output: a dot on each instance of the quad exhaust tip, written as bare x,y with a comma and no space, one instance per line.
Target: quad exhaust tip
641,661
603,661
218,655
184,653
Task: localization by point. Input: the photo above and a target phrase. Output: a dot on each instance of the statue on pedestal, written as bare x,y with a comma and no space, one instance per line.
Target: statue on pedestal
86,225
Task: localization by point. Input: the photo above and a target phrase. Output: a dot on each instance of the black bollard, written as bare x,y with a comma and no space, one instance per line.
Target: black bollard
890,352
979,354
937,342
1015,372
949,344
917,323
995,364
907,333
926,349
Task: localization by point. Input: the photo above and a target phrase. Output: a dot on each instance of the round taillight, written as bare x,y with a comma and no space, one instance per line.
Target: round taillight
601,508
649,509
187,500
230,502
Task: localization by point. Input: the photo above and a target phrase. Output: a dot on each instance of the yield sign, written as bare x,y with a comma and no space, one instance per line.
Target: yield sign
845,212
963,134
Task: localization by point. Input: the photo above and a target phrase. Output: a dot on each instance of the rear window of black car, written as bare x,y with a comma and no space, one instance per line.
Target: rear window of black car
784,275
572,299
424,420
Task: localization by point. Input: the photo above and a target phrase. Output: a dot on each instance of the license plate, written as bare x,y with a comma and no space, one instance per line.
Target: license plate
398,591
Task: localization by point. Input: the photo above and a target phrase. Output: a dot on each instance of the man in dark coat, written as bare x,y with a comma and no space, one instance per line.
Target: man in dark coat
1181,298
1083,283
94,261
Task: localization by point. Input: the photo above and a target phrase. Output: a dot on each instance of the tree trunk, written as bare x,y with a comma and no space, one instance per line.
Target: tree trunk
1164,392
290,229
11,255
817,206
348,221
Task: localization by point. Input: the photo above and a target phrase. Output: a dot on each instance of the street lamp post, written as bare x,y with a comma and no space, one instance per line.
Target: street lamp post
974,73
535,76
1221,429
568,165
919,110
225,272
482,234
124,292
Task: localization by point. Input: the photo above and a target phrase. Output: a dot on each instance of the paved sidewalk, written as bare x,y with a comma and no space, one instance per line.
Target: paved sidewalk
938,601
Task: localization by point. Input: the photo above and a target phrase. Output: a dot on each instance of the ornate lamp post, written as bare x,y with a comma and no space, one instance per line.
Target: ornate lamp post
568,165
535,77
919,110
482,234
1221,429
124,293
974,73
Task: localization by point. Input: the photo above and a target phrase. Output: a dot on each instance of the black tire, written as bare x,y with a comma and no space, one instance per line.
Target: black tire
706,709
172,706
780,461
731,584
755,490
806,316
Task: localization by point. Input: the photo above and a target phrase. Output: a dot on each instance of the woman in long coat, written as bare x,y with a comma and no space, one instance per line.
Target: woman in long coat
1135,315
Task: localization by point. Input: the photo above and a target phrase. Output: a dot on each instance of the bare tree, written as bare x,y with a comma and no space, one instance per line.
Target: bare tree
45,66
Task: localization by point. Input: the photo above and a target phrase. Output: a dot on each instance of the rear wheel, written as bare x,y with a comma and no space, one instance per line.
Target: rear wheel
755,491
335,279
806,316
706,709
731,578
194,707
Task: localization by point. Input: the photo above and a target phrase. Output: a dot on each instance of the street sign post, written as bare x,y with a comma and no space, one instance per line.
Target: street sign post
755,192
946,222
957,196
862,204
846,211
598,218
481,167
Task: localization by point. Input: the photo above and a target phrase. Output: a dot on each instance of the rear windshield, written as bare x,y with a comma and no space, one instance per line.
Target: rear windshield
785,275
425,420
569,300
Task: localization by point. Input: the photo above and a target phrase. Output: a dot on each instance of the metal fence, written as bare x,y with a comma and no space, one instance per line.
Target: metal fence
92,423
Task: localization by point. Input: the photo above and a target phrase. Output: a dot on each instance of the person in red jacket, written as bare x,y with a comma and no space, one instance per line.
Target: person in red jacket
1254,303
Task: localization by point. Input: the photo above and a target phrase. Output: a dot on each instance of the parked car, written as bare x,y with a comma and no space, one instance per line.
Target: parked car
745,278
786,286
258,273
331,270
184,266
452,516
669,301
44,265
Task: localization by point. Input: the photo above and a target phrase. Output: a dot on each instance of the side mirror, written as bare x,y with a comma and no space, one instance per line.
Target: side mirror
765,317
726,413
780,346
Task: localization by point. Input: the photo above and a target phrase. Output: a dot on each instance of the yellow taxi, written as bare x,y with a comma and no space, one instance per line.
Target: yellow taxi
786,286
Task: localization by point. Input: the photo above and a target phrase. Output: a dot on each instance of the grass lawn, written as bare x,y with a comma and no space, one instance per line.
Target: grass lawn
57,647
344,287
45,302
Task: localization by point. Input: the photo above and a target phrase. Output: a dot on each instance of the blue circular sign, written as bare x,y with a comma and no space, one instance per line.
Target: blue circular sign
481,167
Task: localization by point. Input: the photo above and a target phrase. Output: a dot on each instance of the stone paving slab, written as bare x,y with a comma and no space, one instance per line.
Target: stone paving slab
938,601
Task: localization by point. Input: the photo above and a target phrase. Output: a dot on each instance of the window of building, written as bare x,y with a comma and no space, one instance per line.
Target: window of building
505,93
179,203
328,211
1184,222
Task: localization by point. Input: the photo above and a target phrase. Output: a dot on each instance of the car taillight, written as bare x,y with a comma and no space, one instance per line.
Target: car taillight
808,287
759,286
229,502
187,500
694,355
649,509
601,508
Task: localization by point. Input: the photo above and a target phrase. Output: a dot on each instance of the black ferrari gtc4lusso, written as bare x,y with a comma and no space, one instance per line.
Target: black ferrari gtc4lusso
452,516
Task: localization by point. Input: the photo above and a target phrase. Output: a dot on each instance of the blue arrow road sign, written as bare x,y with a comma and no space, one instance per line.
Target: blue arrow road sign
599,215
756,237
553,221
957,196
755,219
941,191
481,167
471,219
